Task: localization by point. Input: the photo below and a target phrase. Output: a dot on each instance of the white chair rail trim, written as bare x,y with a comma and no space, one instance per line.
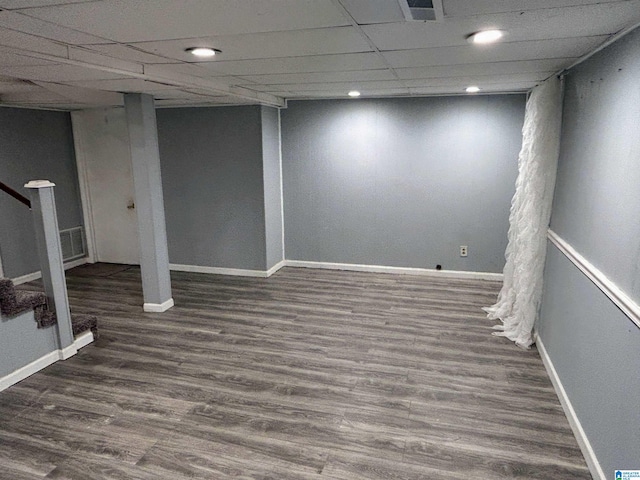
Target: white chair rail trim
609,288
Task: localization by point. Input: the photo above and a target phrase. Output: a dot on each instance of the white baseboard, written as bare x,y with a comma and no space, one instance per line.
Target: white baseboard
395,270
158,307
574,421
68,352
46,360
29,277
337,266
237,272
276,267
83,339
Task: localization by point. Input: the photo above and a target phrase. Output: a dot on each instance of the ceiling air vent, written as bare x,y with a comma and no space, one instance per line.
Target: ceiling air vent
422,10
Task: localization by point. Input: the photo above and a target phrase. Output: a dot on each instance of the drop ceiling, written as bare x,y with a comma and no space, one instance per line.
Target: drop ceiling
71,54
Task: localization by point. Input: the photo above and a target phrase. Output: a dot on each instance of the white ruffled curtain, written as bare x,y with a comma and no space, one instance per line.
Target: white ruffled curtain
519,299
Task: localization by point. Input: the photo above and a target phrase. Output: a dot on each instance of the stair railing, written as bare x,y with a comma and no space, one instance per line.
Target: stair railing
50,254
17,195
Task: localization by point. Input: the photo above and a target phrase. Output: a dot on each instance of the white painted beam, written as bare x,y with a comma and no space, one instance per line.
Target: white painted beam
78,56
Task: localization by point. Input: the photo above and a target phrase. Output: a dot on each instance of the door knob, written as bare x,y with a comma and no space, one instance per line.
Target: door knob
131,206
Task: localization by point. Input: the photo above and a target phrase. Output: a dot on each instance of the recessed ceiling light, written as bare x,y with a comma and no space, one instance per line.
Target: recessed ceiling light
203,52
485,36
472,89
354,93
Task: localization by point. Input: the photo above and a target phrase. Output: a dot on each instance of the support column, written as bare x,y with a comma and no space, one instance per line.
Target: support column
145,160
45,219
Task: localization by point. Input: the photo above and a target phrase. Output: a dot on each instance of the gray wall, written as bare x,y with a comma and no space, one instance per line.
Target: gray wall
597,201
272,185
594,347
34,144
22,342
212,177
401,182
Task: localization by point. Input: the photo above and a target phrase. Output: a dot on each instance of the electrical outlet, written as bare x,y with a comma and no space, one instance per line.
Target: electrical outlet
464,250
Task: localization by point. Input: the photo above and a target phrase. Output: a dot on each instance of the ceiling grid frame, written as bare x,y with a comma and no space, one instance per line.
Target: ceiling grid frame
320,59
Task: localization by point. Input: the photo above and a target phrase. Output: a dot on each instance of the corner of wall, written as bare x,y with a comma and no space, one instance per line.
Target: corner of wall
272,181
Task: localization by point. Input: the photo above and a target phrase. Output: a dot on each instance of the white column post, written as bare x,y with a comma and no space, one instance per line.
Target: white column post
145,159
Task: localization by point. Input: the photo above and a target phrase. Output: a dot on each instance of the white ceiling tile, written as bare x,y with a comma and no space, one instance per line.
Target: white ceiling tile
127,21
18,4
337,86
123,85
539,49
374,11
82,54
457,8
31,43
320,41
347,76
496,68
23,23
12,85
529,25
306,64
458,89
410,35
171,75
12,59
337,93
193,69
479,80
125,52
58,73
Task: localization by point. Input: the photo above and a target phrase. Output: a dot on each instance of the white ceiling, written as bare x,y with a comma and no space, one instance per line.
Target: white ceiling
69,54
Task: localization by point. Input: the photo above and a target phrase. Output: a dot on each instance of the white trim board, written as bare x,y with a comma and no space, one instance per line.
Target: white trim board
29,277
608,287
281,179
158,307
276,267
83,182
574,422
236,272
337,266
395,270
46,360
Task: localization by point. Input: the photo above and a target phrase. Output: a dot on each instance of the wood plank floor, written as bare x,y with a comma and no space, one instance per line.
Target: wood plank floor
310,374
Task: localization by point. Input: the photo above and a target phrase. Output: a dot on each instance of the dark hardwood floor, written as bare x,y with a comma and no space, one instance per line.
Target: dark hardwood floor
310,374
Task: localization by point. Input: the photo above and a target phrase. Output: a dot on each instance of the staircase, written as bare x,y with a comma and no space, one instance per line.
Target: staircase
13,302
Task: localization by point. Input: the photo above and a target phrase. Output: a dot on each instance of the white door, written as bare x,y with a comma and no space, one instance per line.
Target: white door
104,169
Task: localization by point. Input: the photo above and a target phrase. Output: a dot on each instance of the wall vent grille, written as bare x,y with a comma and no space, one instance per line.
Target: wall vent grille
73,243
422,10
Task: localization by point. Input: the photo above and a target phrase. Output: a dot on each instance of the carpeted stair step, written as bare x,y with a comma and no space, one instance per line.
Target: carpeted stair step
44,317
81,323
14,302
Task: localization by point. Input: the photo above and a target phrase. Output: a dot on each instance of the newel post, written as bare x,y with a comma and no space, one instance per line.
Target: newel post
43,206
